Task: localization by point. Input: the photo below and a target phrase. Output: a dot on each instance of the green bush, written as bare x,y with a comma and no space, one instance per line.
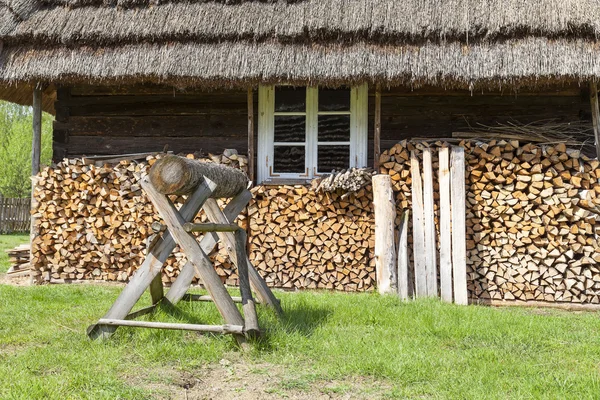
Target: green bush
15,148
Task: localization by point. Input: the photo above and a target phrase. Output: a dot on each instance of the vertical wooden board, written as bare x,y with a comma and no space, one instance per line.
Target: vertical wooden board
459,244
418,228
250,134
385,215
403,256
445,232
377,130
595,114
430,233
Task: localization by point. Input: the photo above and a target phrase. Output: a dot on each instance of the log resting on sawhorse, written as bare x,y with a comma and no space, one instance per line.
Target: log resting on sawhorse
149,274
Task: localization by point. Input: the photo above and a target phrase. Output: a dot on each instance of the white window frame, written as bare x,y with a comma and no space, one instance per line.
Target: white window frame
359,100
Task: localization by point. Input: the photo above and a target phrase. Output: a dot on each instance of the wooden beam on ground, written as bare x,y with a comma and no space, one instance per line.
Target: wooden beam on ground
250,134
418,227
377,130
459,244
595,114
403,256
385,217
445,227
430,233
222,329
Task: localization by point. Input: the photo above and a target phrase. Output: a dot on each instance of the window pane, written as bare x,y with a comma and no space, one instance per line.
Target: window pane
334,128
289,159
333,157
290,99
290,129
334,99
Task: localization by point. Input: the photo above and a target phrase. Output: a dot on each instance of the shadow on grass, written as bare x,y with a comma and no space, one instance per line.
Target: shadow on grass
298,319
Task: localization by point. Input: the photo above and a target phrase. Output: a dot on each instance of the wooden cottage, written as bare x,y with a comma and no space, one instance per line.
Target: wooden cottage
303,87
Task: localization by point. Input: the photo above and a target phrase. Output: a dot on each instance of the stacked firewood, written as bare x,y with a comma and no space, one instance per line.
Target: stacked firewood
303,239
19,261
532,213
95,223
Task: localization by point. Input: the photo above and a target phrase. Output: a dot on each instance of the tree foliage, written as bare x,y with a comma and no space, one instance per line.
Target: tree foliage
15,148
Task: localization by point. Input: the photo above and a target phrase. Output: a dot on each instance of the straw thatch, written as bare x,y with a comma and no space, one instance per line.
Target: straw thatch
202,42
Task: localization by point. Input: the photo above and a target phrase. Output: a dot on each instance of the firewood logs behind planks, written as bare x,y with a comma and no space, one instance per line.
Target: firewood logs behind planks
532,215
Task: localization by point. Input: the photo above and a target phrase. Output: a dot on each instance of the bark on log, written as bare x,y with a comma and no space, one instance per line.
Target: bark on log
180,175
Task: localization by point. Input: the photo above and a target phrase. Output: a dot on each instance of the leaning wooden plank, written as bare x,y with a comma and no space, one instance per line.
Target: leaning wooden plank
595,114
223,329
263,292
194,253
459,246
385,216
430,234
151,267
250,318
418,228
445,230
207,244
403,256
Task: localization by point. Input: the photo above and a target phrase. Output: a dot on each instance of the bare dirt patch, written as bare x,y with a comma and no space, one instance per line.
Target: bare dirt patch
244,381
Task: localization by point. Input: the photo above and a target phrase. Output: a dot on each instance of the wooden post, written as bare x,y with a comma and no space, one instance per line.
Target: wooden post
250,318
418,227
459,246
36,145
377,131
445,230
595,115
430,234
250,134
385,216
403,256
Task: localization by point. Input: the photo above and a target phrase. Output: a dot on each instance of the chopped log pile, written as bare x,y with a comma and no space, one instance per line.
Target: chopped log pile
19,261
532,215
95,223
303,239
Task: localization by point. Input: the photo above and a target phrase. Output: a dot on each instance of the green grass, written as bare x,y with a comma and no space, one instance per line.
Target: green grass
422,349
8,242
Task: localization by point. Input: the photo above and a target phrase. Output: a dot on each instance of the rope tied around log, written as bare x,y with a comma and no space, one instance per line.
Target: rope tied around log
179,175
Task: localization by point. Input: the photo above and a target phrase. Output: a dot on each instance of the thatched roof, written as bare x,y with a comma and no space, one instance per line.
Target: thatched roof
453,42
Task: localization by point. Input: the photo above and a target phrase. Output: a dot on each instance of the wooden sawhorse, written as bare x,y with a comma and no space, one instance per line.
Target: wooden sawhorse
178,233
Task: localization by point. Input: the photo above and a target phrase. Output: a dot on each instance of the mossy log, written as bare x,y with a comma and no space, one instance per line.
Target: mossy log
180,175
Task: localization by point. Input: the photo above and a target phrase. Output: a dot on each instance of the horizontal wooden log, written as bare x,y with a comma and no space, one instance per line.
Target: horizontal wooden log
210,227
180,175
222,329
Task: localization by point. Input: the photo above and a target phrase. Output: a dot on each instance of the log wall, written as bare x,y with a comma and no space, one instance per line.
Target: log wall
115,120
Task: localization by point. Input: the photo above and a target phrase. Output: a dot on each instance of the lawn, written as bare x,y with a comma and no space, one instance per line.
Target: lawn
335,344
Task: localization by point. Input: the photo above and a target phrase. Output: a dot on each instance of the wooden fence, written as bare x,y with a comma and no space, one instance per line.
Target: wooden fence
14,215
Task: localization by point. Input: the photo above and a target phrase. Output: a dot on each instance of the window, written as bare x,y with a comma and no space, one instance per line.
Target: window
308,131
